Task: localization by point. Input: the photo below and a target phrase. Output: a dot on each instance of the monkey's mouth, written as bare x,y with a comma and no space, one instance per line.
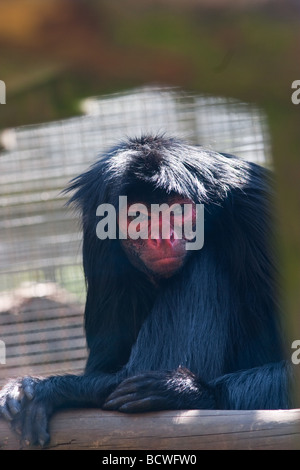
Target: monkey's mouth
167,263
168,259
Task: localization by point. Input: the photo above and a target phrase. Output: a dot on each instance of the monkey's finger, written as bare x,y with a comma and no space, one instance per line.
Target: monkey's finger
17,425
14,405
152,403
117,402
27,432
42,434
121,391
133,385
153,375
34,430
40,424
28,387
5,413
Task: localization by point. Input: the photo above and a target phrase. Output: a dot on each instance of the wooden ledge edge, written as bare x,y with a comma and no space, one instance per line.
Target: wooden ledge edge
168,430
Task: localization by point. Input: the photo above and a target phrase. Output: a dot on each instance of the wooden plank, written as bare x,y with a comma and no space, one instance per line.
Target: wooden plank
45,357
39,310
71,366
44,346
41,325
169,430
39,334
44,335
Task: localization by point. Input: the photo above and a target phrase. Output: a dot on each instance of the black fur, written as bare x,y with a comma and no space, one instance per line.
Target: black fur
209,337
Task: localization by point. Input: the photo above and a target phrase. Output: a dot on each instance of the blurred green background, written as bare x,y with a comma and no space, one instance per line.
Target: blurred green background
54,53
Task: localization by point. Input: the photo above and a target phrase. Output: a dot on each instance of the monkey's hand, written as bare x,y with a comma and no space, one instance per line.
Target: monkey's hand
161,390
21,403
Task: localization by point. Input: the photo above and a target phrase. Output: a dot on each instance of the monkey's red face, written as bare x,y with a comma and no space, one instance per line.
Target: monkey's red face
155,241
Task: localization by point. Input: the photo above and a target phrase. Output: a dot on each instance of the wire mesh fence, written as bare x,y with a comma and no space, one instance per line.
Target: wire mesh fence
40,240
